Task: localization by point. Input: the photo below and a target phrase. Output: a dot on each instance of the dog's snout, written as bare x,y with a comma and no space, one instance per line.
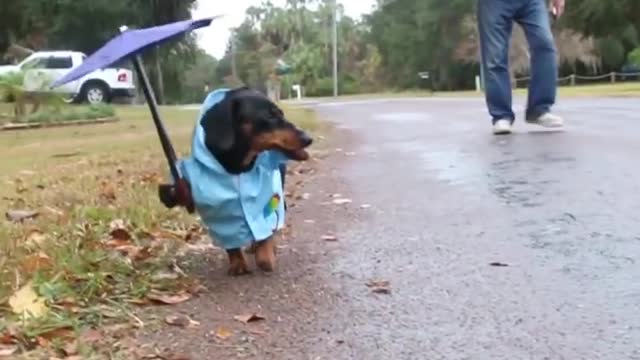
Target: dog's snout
305,139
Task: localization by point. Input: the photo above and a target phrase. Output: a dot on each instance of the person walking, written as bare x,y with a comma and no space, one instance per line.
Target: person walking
495,24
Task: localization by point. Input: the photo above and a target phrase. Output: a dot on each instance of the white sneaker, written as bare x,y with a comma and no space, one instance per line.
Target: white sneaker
502,127
547,120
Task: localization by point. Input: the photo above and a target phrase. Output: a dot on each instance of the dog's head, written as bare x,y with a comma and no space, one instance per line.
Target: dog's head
246,123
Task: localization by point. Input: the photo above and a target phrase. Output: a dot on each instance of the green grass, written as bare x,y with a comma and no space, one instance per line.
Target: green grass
628,89
85,182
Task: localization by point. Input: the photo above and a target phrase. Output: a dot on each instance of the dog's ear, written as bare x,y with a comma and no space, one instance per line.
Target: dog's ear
217,124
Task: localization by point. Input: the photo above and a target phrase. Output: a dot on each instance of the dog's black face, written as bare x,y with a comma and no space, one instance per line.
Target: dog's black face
246,123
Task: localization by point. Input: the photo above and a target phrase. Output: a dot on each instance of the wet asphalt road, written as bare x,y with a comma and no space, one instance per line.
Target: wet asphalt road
561,209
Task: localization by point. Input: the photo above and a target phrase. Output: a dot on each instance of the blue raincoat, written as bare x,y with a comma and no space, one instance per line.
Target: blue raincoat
236,209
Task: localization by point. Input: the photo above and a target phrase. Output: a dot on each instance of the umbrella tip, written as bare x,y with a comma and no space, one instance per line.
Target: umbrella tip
124,28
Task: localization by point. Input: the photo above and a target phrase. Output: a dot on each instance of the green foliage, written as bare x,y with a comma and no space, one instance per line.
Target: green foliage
385,49
11,85
634,57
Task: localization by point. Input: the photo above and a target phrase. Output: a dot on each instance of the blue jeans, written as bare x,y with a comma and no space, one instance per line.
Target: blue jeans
495,21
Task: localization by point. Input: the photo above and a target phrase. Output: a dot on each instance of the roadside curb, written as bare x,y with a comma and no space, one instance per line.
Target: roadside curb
29,126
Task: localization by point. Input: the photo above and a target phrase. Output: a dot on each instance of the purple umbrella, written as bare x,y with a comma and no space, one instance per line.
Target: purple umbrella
130,43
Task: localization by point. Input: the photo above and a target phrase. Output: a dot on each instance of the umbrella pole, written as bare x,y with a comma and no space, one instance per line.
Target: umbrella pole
181,191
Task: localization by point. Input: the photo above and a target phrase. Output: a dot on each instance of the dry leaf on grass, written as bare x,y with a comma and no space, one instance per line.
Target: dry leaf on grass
164,276
118,230
223,333
107,191
36,262
59,335
35,238
27,303
248,318
21,215
7,338
181,321
90,337
169,299
7,350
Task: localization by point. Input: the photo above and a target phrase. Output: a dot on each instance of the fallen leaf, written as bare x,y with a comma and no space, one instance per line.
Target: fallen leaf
498,264
164,276
256,332
71,349
329,238
21,215
223,333
135,253
248,318
35,238
36,262
61,333
8,350
54,211
107,191
181,321
6,339
381,290
27,303
120,234
378,283
379,286
90,336
118,230
169,299
341,201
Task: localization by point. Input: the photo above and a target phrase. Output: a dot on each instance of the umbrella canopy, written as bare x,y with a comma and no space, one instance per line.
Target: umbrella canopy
130,43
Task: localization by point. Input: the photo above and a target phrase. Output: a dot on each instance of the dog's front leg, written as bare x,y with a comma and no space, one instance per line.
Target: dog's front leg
266,254
237,263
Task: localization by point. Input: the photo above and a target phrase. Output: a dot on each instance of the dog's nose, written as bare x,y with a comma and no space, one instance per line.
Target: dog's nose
306,139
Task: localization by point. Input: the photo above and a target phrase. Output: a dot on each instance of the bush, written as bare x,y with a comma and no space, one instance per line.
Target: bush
347,85
634,57
93,112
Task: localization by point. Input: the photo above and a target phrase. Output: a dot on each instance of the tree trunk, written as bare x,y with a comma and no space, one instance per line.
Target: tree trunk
159,80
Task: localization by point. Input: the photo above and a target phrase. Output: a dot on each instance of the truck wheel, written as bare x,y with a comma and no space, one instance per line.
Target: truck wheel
95,93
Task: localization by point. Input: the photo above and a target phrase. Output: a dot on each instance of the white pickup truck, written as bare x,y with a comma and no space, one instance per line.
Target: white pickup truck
97,87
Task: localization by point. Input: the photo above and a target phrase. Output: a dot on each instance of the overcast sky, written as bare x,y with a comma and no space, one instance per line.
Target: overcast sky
213,39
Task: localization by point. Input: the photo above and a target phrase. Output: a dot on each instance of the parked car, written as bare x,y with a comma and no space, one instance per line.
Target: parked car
97,87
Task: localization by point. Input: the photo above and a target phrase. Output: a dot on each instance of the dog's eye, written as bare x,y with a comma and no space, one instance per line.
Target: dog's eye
263,125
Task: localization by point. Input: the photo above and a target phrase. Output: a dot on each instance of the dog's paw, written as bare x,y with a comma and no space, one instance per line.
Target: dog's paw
266,256
237,263
238,269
